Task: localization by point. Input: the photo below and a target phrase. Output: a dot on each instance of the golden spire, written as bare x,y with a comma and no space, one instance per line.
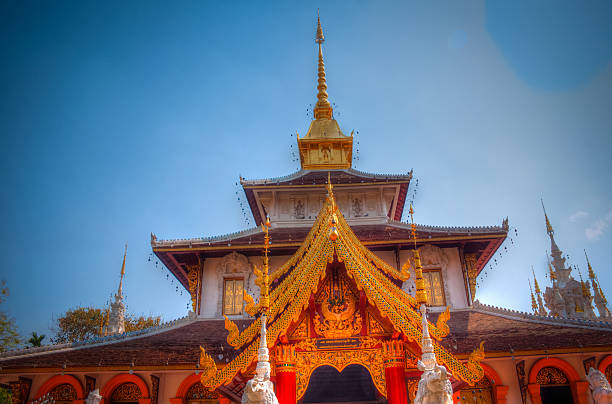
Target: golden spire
119,291
585,287
534,305
591,272
549,228
553,275
535,282
323,108
421,294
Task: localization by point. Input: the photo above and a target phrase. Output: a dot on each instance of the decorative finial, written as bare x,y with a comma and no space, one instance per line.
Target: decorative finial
534,305
585,287
421,294
120,290
535,281
591,272
549,228
323,109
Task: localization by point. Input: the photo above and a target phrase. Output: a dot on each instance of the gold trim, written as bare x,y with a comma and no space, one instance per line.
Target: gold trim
283,245
355,184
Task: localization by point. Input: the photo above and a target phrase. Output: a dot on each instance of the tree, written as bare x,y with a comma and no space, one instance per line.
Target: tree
36,340
84,323
9,337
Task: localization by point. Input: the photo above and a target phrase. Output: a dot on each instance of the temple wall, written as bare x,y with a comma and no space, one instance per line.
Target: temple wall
235,265
302,206
503,369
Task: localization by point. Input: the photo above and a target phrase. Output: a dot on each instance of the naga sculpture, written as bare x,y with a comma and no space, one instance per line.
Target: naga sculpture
434,386
260,390
600,388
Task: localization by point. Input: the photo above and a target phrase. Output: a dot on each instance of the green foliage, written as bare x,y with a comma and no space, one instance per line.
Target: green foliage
78,324
5,395
133,323
84,323
9,337
36,340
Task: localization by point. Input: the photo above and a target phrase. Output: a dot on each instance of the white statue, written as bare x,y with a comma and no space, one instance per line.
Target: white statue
434,386
600,388
93,397
260,390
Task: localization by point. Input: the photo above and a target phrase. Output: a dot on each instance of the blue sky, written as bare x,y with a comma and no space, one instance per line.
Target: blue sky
121,119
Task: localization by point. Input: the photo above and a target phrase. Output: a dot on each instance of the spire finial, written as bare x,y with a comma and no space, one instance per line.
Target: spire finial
323,109
549,228
591,272
120,290
534,305
535,282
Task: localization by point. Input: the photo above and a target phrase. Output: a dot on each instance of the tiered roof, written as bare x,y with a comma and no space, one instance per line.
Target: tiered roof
331,239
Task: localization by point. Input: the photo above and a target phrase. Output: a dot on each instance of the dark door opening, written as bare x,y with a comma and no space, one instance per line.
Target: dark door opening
556,395
327,385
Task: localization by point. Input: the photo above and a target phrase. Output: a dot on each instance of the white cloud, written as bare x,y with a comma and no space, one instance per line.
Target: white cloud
597,228
578,215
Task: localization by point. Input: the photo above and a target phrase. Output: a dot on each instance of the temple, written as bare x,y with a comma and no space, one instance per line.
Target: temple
567,297
353,302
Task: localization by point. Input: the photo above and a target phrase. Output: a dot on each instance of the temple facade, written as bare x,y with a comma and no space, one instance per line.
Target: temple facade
347,278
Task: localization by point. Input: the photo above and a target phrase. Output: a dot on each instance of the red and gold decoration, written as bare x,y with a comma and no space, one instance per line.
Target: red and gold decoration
393,356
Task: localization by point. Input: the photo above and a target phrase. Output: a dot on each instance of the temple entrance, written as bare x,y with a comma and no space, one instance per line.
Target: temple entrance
556,395
354,384
554,386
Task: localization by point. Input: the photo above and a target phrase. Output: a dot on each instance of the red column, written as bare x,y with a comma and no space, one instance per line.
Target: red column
581,391
534,392
393,355
500,393
285,374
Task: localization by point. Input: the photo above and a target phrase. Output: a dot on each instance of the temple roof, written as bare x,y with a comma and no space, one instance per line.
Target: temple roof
176,344
482,240
330,240
319,177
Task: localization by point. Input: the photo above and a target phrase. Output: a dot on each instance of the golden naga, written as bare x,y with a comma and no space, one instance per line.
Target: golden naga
250,304
474,359
258,276
207,366
441,325
232,328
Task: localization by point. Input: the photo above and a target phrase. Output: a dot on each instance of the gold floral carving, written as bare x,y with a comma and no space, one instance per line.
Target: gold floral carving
64,392
194,274
472,273
199,392
413,386
371,359
126,392
374,327
550,376
340,319
301,331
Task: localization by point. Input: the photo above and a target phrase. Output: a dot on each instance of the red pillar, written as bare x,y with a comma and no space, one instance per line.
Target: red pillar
393,355
285,374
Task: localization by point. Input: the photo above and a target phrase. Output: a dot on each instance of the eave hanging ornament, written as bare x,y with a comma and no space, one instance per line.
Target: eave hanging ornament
260,390
434,385
333,230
